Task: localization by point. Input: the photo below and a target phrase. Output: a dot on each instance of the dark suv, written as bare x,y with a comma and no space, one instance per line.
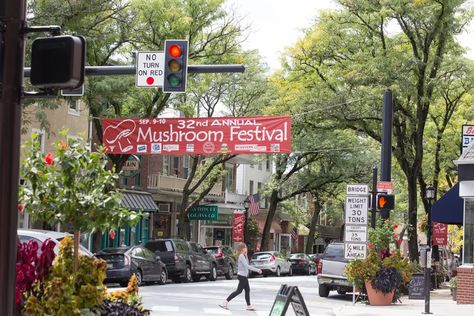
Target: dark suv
226,260
184,261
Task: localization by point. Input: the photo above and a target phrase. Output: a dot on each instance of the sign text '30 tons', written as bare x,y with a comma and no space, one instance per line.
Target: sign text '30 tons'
356,210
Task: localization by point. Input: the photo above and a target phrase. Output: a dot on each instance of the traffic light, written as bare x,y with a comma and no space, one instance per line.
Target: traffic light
58,62
176,65
385,202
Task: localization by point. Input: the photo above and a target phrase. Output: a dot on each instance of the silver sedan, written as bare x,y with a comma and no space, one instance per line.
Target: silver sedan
271,262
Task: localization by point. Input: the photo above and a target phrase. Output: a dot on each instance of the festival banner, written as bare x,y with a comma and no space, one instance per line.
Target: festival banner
238,227
440,234
181,136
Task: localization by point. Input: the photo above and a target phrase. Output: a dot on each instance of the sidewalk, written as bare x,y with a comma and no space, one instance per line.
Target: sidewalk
441,304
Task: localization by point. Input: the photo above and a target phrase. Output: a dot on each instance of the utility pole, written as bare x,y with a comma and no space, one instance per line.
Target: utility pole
373,211
12,25
386,153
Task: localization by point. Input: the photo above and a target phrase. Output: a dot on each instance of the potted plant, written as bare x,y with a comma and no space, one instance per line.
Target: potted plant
453,283
384,270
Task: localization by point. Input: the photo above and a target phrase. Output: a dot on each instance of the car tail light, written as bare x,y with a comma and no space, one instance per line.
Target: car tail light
126,260
220,254
320,266
272,258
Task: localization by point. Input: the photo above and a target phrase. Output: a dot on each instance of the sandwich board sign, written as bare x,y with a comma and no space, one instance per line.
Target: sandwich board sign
356,219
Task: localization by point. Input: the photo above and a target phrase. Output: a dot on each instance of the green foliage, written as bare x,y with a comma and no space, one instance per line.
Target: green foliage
72,187
383,236
60,293
453,282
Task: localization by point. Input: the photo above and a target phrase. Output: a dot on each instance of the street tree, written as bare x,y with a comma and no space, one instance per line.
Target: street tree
72,187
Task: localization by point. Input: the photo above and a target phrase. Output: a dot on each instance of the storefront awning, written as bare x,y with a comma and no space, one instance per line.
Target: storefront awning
449,208
138,201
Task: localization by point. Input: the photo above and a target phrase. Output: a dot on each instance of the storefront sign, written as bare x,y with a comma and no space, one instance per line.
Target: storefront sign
238,227
440,234
204,212
179,136
467,137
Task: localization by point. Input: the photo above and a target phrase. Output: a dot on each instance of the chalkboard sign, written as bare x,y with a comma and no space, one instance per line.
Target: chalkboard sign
285,296
416,287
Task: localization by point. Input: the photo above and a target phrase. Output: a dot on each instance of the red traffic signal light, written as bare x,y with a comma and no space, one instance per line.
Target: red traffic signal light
385,202
58,62
176,65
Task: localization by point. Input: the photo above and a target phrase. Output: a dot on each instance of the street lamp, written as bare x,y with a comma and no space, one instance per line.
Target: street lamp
246,204
430,193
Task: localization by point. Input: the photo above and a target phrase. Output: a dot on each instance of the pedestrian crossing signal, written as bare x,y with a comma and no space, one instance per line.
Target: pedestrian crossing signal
385,202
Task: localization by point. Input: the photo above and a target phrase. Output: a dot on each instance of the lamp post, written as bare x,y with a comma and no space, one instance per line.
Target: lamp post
430,192
246,233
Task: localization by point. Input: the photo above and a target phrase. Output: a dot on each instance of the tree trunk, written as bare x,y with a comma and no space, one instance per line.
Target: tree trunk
268,222
312,227
77,236
183,221
412,218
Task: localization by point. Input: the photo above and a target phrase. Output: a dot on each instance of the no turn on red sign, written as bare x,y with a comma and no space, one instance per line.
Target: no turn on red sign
150,69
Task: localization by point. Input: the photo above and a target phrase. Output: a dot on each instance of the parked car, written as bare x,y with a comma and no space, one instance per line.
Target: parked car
271,262
332,275
316,257
204,263
123,262
184,260
226,260
25,235
176,254
302,263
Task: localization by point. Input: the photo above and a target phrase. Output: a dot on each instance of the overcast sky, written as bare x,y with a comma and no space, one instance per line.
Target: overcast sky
276,24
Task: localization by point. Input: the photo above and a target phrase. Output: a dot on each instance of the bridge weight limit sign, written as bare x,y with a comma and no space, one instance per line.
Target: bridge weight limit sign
356,206
150,69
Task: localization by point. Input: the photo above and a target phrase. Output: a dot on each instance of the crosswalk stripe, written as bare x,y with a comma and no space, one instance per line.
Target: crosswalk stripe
164,308
217,311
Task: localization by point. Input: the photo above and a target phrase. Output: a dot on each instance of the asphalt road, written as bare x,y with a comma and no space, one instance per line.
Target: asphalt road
203,298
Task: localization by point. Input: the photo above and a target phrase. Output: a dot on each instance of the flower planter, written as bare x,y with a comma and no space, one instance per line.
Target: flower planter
377,298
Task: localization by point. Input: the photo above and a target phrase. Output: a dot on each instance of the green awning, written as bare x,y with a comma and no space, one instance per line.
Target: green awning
138,201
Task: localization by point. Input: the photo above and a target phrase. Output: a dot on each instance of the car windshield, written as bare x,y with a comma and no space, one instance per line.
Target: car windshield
297,256
212,250
261,256
110,251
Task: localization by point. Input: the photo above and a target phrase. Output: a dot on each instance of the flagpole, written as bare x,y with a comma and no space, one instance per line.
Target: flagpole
246,233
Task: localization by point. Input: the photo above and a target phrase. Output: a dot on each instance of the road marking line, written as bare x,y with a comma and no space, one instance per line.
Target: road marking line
164,308
217,311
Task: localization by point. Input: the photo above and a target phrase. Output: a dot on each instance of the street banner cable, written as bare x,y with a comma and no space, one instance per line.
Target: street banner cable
180,136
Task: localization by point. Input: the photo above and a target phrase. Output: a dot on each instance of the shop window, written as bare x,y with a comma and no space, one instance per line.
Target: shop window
468,231
74,106
251,187
185,166
268,163
166,165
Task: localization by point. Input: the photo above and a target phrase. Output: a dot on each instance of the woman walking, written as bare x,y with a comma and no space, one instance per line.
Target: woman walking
242,276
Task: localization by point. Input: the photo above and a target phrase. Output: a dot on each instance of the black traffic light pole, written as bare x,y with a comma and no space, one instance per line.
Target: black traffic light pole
386,153
12,25
373,211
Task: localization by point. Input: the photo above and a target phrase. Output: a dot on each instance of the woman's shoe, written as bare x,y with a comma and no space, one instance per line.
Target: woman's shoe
250,308
224,305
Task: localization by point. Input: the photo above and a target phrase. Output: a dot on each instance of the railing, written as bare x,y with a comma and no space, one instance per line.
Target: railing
173,183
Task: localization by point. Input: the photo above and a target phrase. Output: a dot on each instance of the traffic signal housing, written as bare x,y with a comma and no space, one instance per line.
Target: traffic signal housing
176,66
58,62
385,202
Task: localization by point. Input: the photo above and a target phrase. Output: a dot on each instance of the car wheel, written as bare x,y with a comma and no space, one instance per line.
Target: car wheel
213,273
323,290
230,273
278,272
188,276
139,275
163,277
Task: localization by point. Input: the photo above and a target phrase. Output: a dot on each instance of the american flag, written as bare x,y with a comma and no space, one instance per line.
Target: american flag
254,207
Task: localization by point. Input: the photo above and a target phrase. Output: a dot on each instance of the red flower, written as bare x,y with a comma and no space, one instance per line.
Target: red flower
395,235
399,241
49,159
395,226
62,145
370,246
21,208
112,234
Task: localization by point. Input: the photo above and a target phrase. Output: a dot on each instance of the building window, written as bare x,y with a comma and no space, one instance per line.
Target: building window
260,165
229,180
185,166
251,187
74,107
251,166
467,257
176,162
268,163
166,165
